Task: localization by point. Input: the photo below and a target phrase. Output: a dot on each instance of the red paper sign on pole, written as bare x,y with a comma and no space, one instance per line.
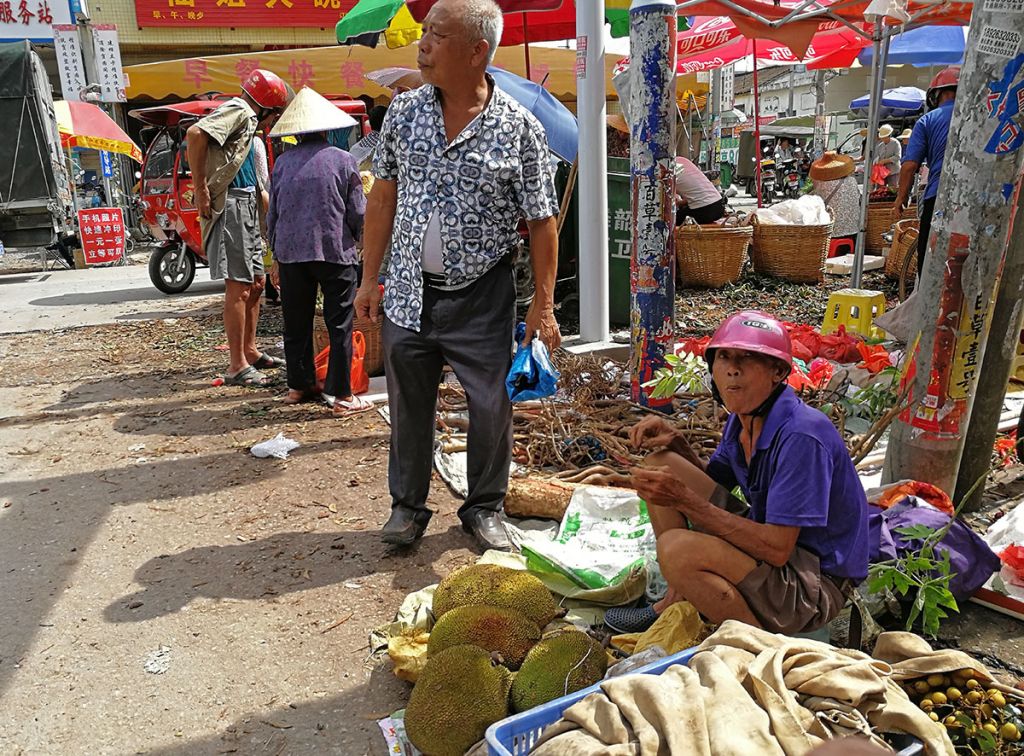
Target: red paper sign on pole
101,230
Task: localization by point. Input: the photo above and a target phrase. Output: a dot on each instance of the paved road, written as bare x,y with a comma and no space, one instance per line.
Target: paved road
66,298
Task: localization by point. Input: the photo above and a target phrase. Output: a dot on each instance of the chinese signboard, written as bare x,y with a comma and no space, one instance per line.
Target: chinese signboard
233,13
106,164
108,63
69,60
31,19
102,232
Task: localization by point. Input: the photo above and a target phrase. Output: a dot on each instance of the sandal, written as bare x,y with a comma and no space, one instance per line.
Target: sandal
267,362
353,406
300,397
249,377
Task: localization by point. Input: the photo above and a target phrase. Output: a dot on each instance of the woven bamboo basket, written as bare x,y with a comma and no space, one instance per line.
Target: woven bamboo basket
879,222
711,255
373,362
904,242
793,253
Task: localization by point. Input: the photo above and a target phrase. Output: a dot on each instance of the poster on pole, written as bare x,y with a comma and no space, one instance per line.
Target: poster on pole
69,60
102,232
108,63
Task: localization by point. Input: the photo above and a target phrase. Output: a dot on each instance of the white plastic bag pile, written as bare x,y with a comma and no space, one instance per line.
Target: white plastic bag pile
808,210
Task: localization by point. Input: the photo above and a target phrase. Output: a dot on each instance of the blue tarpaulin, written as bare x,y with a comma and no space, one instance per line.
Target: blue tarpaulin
925,46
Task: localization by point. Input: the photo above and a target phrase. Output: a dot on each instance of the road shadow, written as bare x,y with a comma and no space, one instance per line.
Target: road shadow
51,521
120,296
280,564
343,724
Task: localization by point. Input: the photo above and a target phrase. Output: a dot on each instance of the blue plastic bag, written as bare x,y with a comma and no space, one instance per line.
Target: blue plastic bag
532,376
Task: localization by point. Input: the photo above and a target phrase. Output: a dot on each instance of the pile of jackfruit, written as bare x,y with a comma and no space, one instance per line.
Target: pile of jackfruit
488,656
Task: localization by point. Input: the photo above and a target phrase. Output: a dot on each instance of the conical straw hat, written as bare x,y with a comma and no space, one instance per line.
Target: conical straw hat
309,112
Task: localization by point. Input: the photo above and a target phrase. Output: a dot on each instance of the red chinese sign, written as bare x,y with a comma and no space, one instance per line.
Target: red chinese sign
234,13
101,230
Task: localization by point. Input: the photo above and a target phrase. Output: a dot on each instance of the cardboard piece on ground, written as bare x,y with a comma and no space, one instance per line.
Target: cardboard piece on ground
843,265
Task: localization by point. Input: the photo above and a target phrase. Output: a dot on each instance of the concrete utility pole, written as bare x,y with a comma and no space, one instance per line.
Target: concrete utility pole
978,196
996,366
716,118
652,108
593,163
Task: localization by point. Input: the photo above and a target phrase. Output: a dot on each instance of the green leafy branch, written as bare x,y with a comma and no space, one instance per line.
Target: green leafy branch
684,373
924,573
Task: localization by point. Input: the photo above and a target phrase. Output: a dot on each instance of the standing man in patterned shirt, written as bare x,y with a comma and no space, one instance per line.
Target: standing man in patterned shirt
459,162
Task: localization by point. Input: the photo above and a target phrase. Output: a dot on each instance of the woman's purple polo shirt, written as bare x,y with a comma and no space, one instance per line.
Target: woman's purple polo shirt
801,475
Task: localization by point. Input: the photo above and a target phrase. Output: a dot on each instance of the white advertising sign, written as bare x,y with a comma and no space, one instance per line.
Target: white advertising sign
69,60
109,75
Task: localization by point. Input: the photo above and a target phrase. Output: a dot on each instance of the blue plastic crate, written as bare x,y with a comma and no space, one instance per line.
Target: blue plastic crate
516,735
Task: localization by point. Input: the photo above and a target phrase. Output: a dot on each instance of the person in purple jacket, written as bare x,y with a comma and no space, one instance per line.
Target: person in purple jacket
315,218
787,557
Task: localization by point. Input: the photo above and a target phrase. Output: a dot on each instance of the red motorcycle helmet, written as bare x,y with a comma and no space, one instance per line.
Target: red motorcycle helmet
266,88
947,78
754,331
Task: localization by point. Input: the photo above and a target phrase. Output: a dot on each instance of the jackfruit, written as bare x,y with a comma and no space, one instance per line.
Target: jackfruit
492,585
492,628
460,693
558,665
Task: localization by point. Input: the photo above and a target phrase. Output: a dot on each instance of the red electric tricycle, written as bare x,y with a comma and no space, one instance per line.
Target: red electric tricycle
165,190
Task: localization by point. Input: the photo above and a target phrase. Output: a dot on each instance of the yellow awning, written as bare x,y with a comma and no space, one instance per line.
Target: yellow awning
340,71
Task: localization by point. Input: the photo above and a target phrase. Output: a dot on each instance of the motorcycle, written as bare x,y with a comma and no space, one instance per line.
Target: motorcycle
789,177
768,181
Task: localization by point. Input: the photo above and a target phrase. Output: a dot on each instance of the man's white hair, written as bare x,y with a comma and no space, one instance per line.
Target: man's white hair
484,20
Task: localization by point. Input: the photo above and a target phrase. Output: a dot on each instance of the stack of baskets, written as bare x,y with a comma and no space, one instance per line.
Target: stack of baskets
373,362
794,253
711,255
879,222
904,242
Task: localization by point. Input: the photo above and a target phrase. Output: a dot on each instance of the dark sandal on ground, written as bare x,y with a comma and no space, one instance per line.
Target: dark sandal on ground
634,619
301,397
250,377
266,362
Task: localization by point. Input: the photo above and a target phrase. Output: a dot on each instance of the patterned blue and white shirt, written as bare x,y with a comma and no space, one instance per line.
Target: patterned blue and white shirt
495,172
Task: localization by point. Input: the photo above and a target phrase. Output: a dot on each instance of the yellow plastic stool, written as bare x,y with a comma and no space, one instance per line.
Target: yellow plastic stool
855,309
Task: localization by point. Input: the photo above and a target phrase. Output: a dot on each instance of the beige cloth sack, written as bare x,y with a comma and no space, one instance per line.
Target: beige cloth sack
749,691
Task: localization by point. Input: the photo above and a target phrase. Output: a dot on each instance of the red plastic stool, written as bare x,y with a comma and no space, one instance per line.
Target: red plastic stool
839,247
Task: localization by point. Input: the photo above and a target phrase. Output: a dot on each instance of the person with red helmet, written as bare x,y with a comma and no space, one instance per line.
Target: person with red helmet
786,556
230,198
927,146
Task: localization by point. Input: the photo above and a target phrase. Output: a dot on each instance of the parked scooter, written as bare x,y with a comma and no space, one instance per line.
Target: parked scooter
768,180
789,177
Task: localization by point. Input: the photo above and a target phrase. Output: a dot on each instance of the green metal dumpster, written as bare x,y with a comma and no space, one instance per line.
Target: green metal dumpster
618,240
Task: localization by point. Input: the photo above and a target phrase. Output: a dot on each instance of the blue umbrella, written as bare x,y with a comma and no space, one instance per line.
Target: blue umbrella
924,46
558,121
897,102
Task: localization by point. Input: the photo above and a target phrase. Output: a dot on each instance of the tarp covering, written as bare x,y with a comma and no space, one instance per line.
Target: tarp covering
336,71
14,69
926,46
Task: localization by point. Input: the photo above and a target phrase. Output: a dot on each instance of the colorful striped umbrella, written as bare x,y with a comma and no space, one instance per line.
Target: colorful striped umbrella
82,124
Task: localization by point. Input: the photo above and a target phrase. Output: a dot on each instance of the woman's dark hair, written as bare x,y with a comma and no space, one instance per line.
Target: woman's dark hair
377,117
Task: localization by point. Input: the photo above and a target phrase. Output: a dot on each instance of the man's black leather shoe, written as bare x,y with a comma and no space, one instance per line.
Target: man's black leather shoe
405,526
488,530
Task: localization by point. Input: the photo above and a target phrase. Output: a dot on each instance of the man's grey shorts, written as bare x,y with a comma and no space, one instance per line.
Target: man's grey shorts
233,244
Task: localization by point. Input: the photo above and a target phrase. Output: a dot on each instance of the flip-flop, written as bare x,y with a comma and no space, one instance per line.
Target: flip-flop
250,377
267,362
354,406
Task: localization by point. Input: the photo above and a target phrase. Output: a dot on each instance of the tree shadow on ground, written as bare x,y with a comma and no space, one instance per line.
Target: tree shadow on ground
344,724
51,521
280,564
117,296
